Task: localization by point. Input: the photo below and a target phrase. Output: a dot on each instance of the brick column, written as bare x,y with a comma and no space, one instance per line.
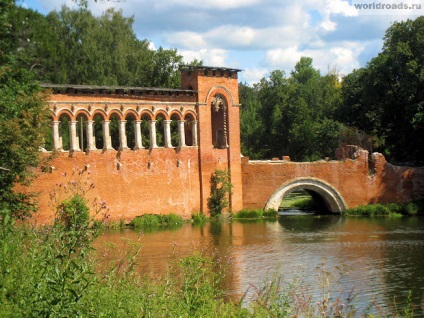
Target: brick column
153,143
107,141
194,132
181,133
57,140
167,131
137,130
122,135
74,140
91,141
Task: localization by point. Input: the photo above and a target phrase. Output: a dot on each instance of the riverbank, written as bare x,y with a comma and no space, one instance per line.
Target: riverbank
56,273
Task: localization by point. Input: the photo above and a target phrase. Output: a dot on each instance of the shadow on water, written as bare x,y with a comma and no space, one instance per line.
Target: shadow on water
309,223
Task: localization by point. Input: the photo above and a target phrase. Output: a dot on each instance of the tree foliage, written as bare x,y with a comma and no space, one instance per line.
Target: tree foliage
75,47
23,117
291,116
386,98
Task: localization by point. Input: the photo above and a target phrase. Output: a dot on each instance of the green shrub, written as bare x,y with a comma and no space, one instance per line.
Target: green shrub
146,221
152,221
221,189
199,218
248,214
270,213
391,209
73,212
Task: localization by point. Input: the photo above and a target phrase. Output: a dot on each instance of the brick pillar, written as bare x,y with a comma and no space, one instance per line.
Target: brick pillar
153,143
91,141
74,140
138,141
122,135
167,131
107,141
181,133
194,132
57,141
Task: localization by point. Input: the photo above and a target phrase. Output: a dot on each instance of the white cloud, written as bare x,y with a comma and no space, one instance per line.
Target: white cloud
255,35
215,4
343,56
213,57
253,75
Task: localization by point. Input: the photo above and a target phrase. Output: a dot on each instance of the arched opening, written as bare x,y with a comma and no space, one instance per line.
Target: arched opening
160,130
145,130
175,138
188,130
324,195
98,130
219,115
114,131
302,201
81,131
64,131
130,130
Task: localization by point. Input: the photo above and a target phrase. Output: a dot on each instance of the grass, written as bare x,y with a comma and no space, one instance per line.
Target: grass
51,272
255,214
155,221
390,209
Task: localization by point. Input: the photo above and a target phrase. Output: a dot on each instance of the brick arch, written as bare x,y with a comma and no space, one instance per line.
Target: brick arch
177,113
331,197
84,112
99,112
148,113
191,114
131,112
220,90
163,113
117,112
66,112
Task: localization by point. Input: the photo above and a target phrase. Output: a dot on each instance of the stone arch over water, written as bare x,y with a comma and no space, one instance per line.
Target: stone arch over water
316,187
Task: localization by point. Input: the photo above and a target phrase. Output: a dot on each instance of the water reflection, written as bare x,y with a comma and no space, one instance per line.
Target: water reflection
379,256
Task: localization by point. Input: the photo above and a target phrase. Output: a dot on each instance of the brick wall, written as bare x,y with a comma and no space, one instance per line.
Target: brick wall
127,182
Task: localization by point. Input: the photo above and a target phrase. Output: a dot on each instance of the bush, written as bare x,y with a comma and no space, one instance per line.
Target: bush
248,214
152,221
255,214
391,209
73,212
221,189
199,218
270,213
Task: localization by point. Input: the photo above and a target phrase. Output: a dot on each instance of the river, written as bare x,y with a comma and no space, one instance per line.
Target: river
374,257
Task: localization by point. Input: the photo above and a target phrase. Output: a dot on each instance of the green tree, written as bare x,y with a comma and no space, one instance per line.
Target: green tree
291,116
24,115
386,98
75,47
221,189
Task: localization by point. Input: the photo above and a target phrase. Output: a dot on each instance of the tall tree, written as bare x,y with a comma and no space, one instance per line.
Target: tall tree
23,115
386,98
291,116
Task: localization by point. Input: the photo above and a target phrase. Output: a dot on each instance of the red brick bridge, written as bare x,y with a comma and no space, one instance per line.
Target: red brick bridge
152,150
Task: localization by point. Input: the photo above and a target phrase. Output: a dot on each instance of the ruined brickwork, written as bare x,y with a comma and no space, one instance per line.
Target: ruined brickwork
343,184
168,143
171,174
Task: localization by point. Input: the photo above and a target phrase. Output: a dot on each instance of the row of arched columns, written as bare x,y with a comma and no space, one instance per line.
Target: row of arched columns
123,144
81,127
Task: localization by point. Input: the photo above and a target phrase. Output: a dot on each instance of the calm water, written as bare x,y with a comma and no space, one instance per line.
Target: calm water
378,257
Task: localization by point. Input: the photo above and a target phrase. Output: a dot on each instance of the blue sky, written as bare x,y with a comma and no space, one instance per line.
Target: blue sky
258,36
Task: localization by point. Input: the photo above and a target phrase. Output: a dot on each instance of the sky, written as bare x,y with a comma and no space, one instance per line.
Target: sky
259,36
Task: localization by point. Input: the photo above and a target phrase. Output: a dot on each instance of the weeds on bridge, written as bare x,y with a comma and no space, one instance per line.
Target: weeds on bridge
221,190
